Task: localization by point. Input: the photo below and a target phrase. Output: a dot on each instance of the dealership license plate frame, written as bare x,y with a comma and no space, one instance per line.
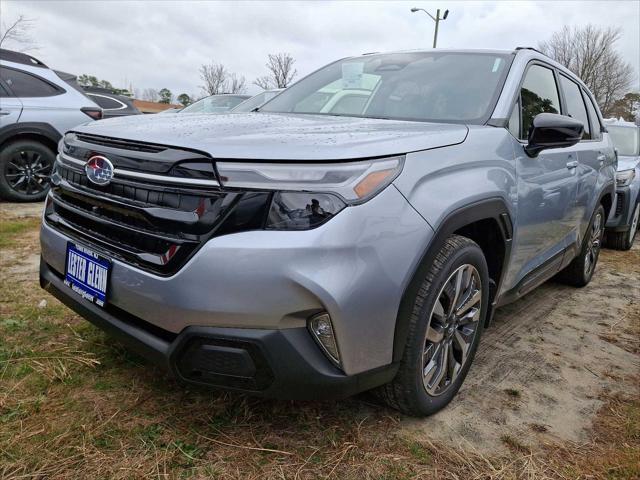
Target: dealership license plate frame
91,283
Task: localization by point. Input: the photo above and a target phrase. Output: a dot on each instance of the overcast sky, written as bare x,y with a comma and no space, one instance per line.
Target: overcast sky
156,44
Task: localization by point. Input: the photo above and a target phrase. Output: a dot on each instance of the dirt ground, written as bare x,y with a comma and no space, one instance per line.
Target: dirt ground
549,370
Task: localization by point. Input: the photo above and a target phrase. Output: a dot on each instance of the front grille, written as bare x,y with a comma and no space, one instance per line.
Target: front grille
620,204
154,225
117,143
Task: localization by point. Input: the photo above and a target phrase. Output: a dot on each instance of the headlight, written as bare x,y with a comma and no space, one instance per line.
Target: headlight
625,177
353,182
304,196
302,211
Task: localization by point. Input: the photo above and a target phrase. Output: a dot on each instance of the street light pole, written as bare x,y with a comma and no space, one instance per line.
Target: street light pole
435,34
435,19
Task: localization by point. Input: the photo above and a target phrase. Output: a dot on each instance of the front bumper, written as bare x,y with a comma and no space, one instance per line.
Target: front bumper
355,267
273,363
620,218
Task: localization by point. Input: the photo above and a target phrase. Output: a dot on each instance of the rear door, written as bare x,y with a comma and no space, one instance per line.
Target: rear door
10,107
547,184
591,154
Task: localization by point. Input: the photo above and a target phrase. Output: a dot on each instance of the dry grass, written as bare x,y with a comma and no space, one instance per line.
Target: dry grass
74,404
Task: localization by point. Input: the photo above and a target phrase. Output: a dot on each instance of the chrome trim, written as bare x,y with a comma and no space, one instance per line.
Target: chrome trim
118,172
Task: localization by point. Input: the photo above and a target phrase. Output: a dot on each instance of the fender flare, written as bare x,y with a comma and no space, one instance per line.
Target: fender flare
39,129
493,208
608,188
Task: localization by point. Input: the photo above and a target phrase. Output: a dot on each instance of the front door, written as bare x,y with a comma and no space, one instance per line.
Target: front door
547,185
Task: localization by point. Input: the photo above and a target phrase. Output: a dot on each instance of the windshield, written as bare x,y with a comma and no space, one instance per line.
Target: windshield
255,101
215,104
625,139
437,87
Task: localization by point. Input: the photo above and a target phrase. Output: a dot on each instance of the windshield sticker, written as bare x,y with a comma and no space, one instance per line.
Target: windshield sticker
352,75
496,65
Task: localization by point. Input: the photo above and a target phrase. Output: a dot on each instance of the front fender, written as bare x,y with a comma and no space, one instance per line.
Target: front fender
440,181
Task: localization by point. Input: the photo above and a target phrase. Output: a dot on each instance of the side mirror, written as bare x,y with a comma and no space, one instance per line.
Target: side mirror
550,130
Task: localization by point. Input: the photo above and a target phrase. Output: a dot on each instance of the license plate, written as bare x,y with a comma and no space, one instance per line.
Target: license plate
87,273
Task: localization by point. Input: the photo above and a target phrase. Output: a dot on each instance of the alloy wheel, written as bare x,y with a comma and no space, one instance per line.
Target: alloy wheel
593,245
452,328
27,172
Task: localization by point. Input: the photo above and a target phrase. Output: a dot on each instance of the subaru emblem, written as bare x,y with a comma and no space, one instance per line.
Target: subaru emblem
99,170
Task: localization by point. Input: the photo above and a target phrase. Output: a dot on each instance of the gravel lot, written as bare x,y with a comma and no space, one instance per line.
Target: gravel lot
546,374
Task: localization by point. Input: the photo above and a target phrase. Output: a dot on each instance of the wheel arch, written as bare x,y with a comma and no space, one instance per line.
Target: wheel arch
488,223
606,200
40,132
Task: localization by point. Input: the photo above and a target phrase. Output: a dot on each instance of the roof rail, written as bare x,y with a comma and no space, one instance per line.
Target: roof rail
531,48
19,57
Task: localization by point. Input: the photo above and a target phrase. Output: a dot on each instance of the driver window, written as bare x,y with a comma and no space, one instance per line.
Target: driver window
539,94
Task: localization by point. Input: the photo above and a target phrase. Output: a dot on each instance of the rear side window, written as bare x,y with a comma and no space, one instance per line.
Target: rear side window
3,92
596,126
106,102
26,85
575,104
539,94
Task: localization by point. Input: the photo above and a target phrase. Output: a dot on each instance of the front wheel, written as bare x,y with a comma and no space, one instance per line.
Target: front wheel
445,325
624,240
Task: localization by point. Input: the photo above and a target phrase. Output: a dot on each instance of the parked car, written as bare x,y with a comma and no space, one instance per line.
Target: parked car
113,105
215,104
301,254
36,107
256,101
622,227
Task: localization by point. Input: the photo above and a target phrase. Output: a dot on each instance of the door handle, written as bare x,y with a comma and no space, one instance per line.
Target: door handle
572,165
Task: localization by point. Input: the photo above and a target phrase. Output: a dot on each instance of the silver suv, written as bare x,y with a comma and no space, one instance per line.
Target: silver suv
37,106
306,251
622,227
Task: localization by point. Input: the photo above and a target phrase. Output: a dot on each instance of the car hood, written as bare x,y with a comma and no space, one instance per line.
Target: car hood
281,136
627,162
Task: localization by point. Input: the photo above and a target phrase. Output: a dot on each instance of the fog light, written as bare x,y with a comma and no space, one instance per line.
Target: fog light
322,331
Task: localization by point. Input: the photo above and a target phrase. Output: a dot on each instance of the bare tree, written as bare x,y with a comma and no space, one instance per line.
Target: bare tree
236,84
150,94
19,32
281,72
214,77
217,79
590,53
263,82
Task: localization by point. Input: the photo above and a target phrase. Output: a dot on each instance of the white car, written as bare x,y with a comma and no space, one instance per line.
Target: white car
36,107
215,103
255,102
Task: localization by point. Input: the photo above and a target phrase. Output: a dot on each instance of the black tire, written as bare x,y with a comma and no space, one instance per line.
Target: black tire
25,169
408,391
580,271
624,240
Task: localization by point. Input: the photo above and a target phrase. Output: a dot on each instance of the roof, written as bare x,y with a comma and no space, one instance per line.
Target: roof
619,122
443,50
19,57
